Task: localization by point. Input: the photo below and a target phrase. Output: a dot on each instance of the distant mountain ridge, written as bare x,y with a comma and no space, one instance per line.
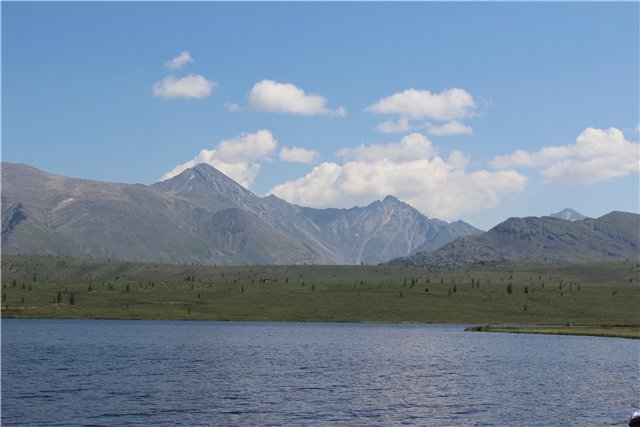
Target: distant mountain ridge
615,236
202,216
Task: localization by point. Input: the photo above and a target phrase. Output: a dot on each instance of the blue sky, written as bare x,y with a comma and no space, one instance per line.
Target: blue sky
473,111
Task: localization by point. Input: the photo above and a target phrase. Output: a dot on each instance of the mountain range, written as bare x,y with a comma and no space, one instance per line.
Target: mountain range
614,236
202,216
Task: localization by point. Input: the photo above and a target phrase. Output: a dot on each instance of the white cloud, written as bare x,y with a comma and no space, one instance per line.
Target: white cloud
338,112
439,188
285,98
249,147
458,160
402,125
192,86
421,104
298,155
179,61
597,155
410,147
453,127
238,157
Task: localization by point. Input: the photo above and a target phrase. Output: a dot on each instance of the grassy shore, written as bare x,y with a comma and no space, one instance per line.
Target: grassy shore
498,293
632,332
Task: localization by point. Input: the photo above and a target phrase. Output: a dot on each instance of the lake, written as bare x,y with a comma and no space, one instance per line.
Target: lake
102,372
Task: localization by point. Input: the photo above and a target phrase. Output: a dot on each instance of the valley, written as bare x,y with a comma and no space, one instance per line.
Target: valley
199,246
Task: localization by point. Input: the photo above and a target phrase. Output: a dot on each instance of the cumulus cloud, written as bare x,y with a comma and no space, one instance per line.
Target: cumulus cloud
192,86
285,98
453,127
450,104
298,155
238,157
597,155
457,160
179,61
390,126
232,106
249,147
409,170
410,147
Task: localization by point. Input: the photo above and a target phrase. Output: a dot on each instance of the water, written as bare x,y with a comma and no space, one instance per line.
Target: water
76,372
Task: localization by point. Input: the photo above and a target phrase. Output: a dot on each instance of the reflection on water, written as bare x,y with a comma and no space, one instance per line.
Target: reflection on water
71,372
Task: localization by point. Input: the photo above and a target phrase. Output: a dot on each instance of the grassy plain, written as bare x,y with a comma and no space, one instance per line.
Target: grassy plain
593,294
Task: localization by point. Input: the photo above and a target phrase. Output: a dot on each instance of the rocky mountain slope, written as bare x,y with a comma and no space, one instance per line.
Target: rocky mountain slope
202,216
615,236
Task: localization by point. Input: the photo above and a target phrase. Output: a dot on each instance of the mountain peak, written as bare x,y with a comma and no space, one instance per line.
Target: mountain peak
206,168
569,215
208,182
390,199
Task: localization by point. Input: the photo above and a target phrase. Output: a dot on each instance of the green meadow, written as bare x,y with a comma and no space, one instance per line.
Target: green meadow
593,294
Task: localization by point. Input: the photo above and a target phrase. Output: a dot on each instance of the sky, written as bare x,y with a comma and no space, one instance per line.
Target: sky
473,111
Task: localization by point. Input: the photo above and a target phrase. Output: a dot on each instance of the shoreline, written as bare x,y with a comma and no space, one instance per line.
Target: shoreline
607,331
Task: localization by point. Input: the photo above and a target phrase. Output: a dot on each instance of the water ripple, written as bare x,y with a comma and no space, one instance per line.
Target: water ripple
102,373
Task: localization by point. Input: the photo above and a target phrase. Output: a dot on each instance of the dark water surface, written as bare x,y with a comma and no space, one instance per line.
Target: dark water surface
94,372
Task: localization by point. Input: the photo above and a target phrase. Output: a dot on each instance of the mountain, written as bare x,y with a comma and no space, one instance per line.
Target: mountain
569,215
202,216
615,236
47,214
384,227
